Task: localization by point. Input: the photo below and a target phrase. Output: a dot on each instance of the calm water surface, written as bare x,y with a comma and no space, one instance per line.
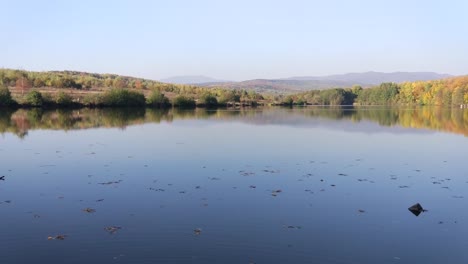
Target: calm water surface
306,185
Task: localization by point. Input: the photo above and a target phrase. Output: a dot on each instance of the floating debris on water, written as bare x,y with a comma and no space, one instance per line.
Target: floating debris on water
57,237
197,231
157,190
275,192
246,173
2,178
361,211
112,229
110,182
89,210
292,227
271,171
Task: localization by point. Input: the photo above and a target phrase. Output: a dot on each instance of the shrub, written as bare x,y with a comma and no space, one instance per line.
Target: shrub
64,99
208,100
47,99
34,98
157,99
91,100
288,101
5,96
183,102
122,97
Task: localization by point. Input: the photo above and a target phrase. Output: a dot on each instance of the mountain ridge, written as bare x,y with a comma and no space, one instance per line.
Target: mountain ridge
303,83
191,79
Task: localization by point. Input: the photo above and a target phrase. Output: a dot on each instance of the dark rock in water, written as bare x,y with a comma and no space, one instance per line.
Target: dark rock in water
416,209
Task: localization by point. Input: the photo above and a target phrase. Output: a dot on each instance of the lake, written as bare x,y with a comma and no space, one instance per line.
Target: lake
266,185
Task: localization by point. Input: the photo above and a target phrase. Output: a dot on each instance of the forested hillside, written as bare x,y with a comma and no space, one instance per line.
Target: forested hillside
451,91
90,89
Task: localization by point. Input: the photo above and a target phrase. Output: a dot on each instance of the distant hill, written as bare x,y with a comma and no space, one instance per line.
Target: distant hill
374,78
191,79
304,83
265,85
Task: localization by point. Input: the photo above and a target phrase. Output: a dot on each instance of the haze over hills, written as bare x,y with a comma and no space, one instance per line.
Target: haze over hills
374,78
191,79
302,83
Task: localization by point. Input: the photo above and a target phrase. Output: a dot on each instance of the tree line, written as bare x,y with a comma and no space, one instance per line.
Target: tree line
451,91
90,89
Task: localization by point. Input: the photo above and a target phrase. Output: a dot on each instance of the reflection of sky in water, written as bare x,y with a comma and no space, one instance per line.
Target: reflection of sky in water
385,173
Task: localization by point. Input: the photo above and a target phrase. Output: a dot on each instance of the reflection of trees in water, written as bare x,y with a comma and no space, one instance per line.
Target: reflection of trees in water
436,118
20,121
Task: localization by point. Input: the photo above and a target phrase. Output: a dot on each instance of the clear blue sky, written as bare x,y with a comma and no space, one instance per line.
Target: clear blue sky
238,39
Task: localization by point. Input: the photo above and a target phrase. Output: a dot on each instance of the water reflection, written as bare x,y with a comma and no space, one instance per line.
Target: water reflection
267,185
20,121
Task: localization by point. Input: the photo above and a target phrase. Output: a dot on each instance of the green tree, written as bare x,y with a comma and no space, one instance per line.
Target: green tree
157,99
184,102
288,101
5,96
34,98
119,82
123,97
208,100
63,99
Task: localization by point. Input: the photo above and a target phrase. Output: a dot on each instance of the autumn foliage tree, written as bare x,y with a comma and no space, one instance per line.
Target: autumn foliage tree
23,84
